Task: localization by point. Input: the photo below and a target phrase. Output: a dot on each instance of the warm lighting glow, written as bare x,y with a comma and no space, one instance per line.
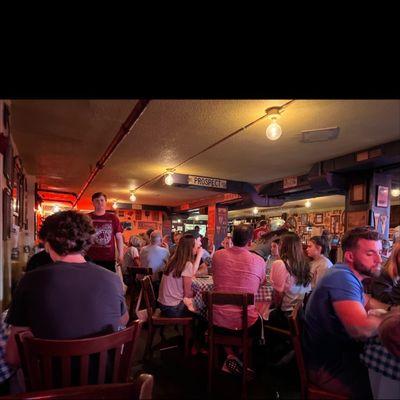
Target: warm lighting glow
196,218
179,221
132,197
255,210
14,204
274,131
115,205
395,192
308,204
56,209
169,179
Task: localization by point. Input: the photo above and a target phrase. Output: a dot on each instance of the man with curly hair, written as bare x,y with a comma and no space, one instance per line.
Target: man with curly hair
71,298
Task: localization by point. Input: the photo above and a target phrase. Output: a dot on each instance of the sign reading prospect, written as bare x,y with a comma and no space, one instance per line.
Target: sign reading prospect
206,182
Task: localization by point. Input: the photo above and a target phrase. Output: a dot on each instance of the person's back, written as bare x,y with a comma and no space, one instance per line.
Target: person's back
69,300
236,270
155,257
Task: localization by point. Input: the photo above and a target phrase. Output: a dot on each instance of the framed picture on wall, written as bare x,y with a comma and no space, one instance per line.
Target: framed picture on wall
358,193
318,218
382,196
304,219
6,213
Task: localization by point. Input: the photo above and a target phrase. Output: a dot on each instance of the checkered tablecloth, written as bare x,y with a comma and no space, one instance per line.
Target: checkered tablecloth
5,370
206,284
375,356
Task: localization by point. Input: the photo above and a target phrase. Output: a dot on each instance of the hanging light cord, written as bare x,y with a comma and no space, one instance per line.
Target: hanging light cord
282,107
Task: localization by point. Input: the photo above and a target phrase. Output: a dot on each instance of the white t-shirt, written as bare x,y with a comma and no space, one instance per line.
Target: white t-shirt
171,288
282,281
318,269
130,254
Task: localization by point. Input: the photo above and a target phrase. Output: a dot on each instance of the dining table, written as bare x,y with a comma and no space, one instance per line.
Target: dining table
205,283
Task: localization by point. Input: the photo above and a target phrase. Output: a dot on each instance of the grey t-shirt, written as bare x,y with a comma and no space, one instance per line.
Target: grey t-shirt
154,257
68,301
319,268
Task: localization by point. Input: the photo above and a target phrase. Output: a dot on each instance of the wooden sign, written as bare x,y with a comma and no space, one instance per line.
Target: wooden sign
289,182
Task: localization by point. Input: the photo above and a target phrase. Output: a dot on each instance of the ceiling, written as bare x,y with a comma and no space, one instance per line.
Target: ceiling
59,141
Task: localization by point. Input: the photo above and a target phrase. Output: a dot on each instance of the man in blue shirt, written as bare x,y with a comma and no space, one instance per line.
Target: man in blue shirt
336,318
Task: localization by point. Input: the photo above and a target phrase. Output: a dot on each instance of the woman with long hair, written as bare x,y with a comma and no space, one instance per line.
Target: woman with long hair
176,282
318,250
290,275
386,287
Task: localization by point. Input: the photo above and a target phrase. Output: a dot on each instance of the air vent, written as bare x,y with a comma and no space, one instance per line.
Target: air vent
319,135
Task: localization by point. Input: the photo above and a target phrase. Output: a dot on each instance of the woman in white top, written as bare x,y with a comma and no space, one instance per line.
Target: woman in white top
176,282
290,278
318,249
131,256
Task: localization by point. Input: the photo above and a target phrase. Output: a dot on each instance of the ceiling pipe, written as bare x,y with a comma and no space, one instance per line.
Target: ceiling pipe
123,131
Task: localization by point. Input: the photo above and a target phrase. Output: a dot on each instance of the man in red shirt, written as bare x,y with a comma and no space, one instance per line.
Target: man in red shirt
108,230
262,228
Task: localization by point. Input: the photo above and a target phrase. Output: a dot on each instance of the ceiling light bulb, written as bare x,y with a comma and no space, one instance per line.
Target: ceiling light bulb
196,218
132,197
115,205
56,209
169,179
255,210
179,221
308,204
395,192
274,131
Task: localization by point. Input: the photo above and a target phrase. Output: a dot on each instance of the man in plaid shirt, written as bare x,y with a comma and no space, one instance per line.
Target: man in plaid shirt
382,357
5,370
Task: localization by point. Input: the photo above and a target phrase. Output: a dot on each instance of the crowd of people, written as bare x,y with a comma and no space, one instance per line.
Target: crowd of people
71,290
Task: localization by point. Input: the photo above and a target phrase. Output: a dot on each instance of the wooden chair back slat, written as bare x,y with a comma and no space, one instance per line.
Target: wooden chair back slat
66,371
149,296
39,357
84,370
101,378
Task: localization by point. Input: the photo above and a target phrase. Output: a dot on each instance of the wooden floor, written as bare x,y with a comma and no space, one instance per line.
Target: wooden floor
177,379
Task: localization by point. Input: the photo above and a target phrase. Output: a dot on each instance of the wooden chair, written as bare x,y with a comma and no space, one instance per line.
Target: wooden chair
140,389
308,390
156,321
239,338
133,293
48,364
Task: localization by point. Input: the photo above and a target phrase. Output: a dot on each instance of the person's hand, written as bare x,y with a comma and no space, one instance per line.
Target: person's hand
120,260
200,252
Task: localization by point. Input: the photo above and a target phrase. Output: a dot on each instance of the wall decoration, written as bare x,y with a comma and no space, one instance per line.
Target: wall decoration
335,224
382,196
6,213
376,220
304,219
356,219
384,219
358,193
318,218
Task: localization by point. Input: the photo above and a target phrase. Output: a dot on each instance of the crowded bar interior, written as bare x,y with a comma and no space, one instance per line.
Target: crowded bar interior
192,249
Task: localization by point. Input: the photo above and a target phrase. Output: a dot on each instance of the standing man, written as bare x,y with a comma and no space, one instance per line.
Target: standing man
261,230
108,231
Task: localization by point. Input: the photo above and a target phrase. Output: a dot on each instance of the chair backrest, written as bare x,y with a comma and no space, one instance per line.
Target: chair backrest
140,389
49,364
136,271
296,328
140,271
148,294
242,300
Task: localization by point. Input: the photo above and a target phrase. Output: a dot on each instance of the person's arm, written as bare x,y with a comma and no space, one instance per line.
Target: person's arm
124,318
371,303
120,247
356,321
187,286
278,278
197,261
11,351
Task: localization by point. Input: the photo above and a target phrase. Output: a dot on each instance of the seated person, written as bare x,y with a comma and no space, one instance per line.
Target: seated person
336,319
176,282
237,270
290,279
70,298
131,255
386,287
272,258
318,250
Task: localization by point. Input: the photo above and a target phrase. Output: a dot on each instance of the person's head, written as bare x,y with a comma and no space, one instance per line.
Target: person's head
184,252
362,249
149,232
291,253
242,235
197,229
135,241
67,232
177,237
227,242
197,238
99,201
275,248
204,242
389,333
166,239
155,238
393,264
263,223
317,246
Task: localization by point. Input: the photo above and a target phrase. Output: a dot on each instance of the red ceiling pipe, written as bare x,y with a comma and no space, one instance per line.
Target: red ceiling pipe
123,131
